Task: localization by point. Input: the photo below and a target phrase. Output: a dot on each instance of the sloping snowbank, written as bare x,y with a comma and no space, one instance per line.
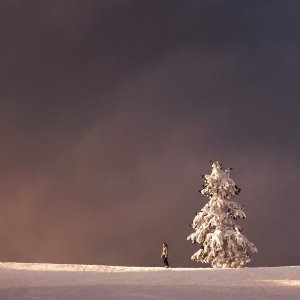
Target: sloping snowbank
53,281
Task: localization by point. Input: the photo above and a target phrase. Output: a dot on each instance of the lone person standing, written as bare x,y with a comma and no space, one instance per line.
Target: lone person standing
165,254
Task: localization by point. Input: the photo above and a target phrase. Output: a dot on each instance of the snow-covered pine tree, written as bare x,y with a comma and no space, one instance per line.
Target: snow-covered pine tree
222,243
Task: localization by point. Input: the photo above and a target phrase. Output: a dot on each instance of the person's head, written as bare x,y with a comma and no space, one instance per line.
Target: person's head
165,244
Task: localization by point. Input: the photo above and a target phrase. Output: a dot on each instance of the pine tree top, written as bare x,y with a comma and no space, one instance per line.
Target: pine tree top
218,184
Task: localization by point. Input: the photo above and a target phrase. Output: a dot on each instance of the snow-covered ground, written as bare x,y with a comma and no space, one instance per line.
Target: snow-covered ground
50,281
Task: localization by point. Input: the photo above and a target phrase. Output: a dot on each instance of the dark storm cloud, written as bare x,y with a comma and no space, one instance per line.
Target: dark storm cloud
111,110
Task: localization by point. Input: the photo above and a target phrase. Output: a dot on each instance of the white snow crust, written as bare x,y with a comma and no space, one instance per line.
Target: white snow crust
66,282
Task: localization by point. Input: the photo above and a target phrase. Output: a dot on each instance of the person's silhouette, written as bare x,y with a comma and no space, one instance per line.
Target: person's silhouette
165,254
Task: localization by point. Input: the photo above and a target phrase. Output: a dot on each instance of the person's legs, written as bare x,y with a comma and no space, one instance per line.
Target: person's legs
165,259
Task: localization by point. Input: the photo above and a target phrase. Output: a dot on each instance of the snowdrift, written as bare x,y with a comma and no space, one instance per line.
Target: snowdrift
52,281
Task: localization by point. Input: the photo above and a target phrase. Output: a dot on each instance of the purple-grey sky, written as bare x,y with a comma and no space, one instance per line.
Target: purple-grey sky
110,111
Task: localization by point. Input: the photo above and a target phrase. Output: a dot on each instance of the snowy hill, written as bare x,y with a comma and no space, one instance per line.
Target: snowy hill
52,281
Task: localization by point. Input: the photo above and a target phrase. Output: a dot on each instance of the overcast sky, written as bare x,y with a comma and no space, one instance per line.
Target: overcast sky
110,111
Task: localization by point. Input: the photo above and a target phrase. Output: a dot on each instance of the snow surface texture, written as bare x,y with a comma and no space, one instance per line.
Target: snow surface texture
221,242
74,282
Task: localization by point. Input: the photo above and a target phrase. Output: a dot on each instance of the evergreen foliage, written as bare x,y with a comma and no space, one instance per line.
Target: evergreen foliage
221,241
